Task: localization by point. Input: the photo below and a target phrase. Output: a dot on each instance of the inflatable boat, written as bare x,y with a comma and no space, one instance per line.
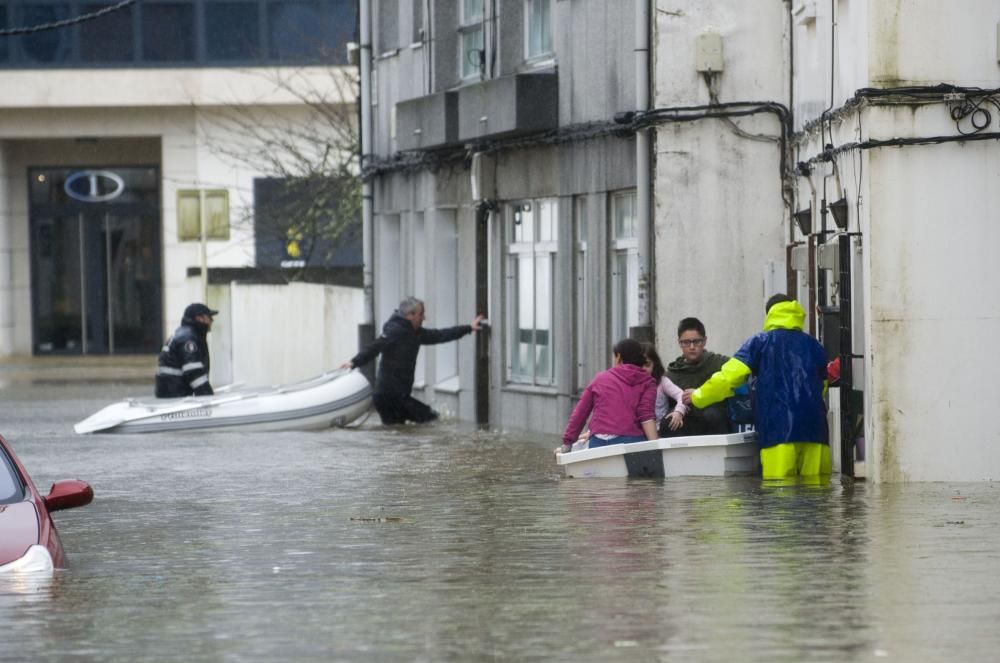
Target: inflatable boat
332,399
734,454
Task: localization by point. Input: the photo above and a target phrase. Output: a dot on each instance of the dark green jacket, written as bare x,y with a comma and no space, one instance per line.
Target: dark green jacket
692,376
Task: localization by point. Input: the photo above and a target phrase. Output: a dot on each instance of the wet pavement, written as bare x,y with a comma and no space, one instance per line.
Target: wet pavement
443,543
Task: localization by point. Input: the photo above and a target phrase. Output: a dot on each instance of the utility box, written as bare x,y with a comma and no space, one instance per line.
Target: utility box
708,52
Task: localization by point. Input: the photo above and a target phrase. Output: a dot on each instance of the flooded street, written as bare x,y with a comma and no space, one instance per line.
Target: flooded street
444,543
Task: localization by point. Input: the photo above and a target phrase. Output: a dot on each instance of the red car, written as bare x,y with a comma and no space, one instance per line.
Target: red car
29,542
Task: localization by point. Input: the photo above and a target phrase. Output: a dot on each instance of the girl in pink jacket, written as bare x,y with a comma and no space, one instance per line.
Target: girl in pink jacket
620,402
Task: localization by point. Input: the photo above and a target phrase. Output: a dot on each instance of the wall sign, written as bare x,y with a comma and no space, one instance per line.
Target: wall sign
94,186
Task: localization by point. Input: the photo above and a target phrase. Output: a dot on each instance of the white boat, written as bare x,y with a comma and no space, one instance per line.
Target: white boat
332,399
734,454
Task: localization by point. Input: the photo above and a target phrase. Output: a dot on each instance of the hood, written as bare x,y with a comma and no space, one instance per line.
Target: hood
679,365
630,374
785,315
18,530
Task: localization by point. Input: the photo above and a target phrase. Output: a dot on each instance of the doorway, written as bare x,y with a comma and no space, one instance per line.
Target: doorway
95,260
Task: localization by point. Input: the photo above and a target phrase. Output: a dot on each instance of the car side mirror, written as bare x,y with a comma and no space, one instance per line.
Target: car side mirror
69,494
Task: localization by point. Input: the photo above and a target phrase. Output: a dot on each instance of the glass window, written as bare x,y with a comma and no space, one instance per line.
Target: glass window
295,30
294,221
584,372
471,45
624,215
47,45
232,31
531,268
11,489
172,32
471,51
624,266
3,40
418,285
538,14
472,11
418,21
343,21
168,32
445,292
190,206
388,290
108,38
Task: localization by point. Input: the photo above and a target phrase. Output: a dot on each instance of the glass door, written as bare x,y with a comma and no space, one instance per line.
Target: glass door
95,274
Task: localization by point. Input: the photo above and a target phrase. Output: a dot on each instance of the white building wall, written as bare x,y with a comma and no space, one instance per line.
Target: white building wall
934,313
931,314
718,210
277,334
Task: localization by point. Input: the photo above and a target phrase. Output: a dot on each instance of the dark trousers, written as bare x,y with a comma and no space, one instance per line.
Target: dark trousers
399,408
713,420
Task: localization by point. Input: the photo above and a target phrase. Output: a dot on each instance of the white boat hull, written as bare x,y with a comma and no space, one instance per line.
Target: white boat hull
735,454
331,399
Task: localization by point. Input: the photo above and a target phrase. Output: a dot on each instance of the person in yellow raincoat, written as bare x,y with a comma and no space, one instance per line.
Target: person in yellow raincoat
789,367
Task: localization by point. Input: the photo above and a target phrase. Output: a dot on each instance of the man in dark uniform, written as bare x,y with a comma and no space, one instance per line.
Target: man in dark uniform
402,336
183,364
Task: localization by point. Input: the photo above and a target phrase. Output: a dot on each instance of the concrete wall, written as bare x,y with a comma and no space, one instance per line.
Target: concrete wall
933,325
275,334
718,210
929,315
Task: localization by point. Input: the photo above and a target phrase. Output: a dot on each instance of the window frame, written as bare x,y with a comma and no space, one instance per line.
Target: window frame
624,283
332,32
542,58
203,199
582,282
537,250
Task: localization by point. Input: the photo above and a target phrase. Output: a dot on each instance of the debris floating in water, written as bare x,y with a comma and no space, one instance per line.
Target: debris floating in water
377,519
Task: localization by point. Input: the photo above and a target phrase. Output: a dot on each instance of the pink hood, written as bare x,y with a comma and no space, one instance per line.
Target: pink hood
617,401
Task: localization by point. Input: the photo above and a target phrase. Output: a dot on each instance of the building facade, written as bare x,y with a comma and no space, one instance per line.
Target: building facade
501,184
839,151
127,156
875,212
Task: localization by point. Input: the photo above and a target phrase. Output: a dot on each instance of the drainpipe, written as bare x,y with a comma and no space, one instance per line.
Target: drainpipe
366,331
644,330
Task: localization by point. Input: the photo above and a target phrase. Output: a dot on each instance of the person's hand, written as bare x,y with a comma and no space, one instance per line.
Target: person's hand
347,364
675,420
477,322
687,396
584,435
564,449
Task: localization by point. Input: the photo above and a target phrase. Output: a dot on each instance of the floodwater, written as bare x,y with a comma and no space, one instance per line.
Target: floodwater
441,543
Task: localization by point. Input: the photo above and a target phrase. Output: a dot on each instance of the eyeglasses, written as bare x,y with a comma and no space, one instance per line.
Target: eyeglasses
691,342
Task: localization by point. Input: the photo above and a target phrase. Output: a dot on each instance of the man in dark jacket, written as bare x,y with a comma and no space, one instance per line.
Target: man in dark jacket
402,336
689,371
183,363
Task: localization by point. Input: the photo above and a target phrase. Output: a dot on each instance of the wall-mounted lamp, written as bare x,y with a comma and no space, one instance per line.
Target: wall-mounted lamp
838,209
803,219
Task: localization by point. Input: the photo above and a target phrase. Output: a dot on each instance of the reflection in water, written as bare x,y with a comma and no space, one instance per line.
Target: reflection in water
445,543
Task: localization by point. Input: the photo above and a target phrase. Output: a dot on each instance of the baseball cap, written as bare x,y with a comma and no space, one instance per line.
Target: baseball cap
194,310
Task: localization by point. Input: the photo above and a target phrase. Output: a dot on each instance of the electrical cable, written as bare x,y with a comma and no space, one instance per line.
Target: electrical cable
11,32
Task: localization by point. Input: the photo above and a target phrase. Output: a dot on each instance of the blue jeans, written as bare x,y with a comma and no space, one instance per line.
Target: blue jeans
618,439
